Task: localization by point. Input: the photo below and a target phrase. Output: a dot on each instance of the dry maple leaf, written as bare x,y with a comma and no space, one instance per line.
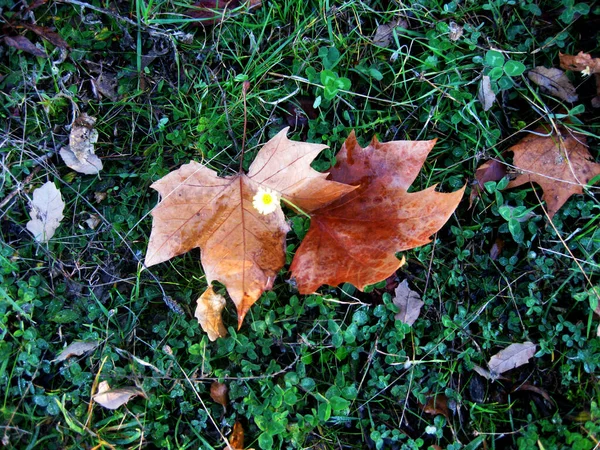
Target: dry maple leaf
355,239
240,247
561,165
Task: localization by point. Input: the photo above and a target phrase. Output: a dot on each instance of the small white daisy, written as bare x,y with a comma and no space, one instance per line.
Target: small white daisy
265,201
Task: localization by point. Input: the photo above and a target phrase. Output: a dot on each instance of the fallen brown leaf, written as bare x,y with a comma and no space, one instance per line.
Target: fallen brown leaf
219,393
236,439
47,209
385,33
25,45
80,155
114,398
437,405
77,348
491,170
485,94
409,302
513,356
46,33
208,313
355,239
582,62
560,164
555,82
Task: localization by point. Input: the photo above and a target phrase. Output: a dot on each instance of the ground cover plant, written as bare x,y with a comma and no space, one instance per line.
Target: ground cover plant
486,337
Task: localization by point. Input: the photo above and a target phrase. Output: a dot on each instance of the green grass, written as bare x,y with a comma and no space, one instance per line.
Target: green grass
325,371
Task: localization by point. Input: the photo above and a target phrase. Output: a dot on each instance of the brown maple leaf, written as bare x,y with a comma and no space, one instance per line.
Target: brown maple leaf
240,247
561,164
355,239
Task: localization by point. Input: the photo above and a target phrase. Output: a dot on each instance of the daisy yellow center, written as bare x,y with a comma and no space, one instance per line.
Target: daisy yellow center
267,199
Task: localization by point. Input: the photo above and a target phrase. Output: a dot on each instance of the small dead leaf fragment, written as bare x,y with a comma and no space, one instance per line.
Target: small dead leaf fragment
514,355
385,33
491,170
93,221
103,387
561,165
437,405
240,247
46,212
114,398
25,45
582,62
409,302
80,155
355,239
76,348
496,249
100,196
555,82
211,12
236,439
456,31
106,85
208,313
219,393
485,94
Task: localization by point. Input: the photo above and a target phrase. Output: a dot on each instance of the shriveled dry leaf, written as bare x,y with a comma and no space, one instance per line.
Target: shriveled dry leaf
47,209
561,165
240,247
485,94
555,82
491,170
25,45
77,348
236,439
219,393
514,355
114,398
385,33
582,62
496,249
456,31
93,221
80,154
437,405
355,239
409,302
208,313
106,85
46,33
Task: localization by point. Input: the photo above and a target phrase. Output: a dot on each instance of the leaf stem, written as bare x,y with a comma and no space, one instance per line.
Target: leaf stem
300,210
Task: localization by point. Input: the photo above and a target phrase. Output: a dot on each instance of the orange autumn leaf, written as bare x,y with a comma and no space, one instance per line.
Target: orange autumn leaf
582,62
355,239
236,439
240,247
561,164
